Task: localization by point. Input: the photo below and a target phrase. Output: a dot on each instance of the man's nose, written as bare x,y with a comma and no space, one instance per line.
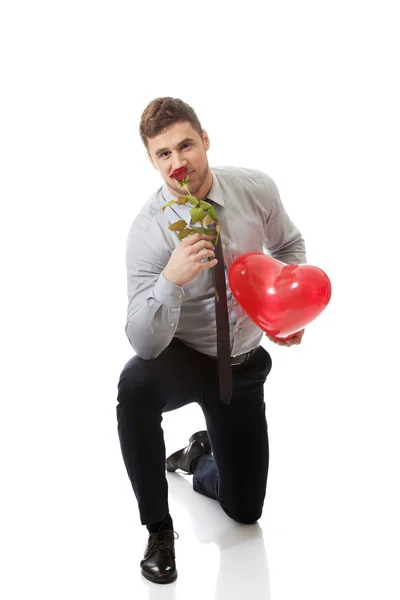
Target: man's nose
178,161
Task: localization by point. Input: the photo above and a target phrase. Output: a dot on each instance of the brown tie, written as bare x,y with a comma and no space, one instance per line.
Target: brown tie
223,330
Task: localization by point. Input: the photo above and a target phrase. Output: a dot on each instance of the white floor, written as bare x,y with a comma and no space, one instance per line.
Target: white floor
330,527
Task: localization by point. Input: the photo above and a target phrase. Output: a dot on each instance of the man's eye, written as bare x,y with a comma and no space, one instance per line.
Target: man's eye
163,154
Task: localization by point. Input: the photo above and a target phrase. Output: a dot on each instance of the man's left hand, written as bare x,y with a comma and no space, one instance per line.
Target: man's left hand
293,340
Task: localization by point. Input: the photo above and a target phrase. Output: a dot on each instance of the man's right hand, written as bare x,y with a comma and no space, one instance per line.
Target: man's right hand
185,262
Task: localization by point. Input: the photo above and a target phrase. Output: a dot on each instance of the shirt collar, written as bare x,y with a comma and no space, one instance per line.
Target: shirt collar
215,193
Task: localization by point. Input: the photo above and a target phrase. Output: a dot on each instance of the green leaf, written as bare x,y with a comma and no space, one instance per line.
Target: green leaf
178,226
184,233
211,211
183,199
168,204
205,205
197,214
193,201
203,230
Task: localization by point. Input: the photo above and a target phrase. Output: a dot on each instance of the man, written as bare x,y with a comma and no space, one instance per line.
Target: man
172,326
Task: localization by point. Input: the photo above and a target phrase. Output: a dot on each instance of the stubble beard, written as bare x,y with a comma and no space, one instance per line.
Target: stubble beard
193,190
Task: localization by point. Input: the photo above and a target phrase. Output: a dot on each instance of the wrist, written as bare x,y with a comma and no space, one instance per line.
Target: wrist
168,293
170,278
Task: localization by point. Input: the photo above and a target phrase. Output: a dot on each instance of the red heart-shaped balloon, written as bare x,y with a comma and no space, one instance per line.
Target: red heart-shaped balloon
281,299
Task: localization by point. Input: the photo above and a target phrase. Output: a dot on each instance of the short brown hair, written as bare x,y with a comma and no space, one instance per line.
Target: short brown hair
161,113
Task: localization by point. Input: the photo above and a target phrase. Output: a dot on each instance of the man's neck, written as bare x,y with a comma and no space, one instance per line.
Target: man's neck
206,187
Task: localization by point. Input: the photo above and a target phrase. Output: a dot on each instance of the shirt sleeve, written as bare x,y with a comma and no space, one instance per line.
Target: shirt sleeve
154,304
284,241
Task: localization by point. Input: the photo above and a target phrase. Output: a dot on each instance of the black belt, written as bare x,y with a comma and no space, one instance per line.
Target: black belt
242,358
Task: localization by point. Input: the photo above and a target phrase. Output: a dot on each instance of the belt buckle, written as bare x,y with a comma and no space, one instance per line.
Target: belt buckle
243,358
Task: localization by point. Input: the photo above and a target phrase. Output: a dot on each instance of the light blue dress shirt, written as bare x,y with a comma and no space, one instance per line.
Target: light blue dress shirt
252,219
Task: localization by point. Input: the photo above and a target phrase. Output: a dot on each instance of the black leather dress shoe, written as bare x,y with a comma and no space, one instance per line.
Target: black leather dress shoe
202,436
182,459
158,564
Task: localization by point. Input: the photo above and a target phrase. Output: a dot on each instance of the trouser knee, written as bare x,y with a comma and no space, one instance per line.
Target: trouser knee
246,518
138,381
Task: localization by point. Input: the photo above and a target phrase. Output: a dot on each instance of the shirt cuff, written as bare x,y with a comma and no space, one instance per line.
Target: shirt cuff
168,293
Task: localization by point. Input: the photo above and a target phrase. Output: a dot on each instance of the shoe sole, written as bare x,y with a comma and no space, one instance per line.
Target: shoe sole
201,436
160,580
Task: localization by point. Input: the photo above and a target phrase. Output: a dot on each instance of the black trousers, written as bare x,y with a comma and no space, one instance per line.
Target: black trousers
236,474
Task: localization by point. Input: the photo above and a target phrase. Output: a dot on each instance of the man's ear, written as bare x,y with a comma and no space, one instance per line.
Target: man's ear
151,160
206,140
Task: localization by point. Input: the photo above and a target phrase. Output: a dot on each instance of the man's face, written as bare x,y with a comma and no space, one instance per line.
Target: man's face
181,146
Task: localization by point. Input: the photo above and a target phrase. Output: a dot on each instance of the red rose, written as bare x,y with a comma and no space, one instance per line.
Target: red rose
179,174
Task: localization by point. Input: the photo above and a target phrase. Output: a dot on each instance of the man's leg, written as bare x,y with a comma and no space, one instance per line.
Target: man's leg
236,474
146,389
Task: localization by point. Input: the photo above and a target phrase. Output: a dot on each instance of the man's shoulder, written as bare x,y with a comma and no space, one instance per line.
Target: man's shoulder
242,178
148,214
239,172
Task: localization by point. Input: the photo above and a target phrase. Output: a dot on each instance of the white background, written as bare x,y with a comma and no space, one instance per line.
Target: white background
308,93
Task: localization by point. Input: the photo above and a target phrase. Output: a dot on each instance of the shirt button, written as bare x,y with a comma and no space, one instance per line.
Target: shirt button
172,324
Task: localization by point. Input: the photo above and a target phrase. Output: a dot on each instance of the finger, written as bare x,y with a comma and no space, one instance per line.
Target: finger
293,340
278,341
201,245
204,254
207,264
274,339
189,240
196,237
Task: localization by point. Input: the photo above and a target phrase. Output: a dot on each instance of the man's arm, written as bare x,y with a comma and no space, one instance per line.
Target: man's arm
155,289
154,304
284,241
